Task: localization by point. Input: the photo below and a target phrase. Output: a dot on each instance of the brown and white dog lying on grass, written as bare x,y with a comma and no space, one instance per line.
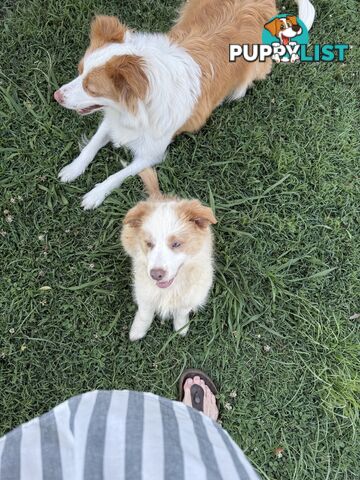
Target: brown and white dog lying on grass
170,244
152,87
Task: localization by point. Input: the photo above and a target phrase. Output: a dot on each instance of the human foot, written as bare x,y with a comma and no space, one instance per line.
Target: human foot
209,407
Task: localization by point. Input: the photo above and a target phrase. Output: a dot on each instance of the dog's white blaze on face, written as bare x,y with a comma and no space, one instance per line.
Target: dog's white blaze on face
73,94
75,97
162,225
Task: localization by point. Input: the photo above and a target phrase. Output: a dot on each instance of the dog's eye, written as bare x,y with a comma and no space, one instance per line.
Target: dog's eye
175,245
149,244
91,92
282,27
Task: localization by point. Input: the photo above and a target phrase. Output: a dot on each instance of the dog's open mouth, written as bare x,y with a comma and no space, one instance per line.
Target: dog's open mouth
285,40
165,284
87,110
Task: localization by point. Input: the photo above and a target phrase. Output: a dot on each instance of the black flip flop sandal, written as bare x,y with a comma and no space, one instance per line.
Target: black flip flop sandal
197,393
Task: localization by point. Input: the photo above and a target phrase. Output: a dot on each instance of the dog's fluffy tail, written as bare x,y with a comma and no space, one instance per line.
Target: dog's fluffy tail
151,183
306,12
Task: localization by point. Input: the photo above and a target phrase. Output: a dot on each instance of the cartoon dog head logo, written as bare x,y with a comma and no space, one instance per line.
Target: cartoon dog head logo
285,29
285,33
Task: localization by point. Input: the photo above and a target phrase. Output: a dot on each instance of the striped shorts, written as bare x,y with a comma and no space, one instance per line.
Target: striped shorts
113,435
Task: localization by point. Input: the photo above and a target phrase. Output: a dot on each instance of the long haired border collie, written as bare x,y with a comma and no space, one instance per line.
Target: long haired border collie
152,87
170,244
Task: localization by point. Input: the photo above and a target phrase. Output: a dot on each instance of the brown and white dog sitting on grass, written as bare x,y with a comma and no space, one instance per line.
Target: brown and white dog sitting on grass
170,244
152,87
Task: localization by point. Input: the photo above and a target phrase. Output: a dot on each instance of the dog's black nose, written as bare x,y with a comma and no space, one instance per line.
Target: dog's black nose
157,274
296,28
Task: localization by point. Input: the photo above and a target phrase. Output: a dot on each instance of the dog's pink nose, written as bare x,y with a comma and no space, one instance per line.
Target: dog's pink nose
59,97
157,274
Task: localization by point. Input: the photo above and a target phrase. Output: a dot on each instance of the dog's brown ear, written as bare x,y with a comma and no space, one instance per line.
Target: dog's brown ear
272,27
127,73
106,29
135,216
292,19
193,211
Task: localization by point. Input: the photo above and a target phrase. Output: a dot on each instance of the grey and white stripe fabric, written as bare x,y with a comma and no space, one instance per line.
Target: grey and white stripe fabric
121,435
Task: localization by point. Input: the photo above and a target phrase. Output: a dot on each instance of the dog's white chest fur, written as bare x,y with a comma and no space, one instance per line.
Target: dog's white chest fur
188,293
123,129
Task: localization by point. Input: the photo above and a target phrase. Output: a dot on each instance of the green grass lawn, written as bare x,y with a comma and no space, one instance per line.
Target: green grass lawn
281,170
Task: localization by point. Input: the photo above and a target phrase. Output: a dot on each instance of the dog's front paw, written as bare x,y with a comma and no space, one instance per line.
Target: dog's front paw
70,173
137,331
94,198
183,331
181,326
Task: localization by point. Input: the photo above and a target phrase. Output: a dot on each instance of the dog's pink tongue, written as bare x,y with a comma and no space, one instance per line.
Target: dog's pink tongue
285,40
165,284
